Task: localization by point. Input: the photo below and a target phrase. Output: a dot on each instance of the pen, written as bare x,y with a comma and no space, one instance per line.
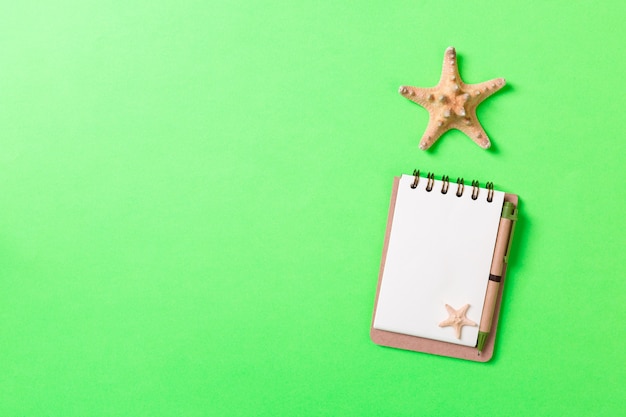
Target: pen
500,257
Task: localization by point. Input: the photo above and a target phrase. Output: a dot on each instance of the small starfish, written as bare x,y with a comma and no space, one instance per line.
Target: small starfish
457,319
452,103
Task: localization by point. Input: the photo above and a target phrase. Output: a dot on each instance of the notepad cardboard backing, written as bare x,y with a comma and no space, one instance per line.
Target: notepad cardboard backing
419,344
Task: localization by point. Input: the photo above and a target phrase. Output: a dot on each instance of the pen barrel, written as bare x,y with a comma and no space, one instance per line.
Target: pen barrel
502,244
497,266
490,304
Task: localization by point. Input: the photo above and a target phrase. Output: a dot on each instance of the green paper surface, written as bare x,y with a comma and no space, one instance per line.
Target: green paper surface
194,200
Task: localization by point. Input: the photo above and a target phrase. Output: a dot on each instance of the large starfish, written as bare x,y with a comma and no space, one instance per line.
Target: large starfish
452,103
457,319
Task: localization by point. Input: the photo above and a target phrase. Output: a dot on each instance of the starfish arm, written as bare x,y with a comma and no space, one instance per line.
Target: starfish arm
446,323
433,132
468,322
475,131
481,91
457,329
450,70
422,96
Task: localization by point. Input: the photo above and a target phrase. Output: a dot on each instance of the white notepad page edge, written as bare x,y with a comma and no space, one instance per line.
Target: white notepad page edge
439,252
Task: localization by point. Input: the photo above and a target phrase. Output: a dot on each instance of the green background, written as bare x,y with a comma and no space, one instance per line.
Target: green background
194,198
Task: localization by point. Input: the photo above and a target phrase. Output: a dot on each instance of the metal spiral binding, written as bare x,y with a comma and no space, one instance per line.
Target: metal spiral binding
460,185
475,189
416,173
431,181
445,185
489,192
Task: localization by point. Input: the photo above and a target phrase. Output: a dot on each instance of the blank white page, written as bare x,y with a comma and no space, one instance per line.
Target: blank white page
439,252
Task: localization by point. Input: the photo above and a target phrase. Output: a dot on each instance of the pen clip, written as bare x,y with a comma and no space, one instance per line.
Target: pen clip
509,211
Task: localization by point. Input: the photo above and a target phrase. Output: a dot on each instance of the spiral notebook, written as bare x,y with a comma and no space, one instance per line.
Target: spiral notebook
437,256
